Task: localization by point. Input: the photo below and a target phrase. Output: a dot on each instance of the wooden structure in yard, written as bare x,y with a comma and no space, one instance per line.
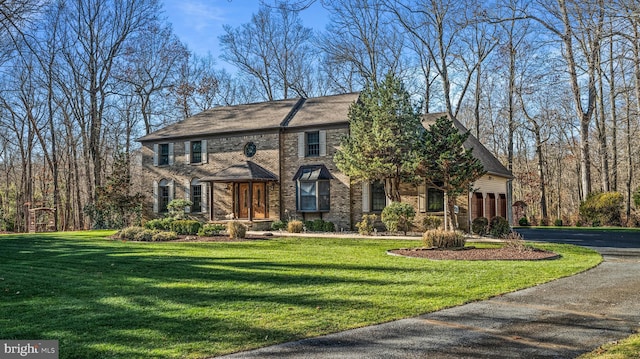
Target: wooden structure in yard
41,219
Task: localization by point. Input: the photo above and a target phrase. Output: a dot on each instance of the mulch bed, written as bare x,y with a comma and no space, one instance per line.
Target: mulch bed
475,254
222,238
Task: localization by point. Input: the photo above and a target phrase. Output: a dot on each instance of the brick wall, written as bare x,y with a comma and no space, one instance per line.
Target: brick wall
223,152
340,202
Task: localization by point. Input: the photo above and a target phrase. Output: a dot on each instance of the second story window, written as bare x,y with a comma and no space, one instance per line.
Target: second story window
163,155
196,151
313,144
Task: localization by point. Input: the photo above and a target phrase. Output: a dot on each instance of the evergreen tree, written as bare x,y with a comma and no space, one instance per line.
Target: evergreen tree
446,164
385,133
115,206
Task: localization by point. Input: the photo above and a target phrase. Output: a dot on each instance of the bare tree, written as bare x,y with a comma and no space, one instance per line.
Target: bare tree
442,27
273,50
361,36
96,31
150,63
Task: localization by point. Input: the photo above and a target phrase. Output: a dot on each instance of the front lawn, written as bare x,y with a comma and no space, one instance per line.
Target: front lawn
113,299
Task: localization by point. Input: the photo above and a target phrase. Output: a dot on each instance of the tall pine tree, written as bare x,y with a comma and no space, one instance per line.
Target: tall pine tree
446,164
384,140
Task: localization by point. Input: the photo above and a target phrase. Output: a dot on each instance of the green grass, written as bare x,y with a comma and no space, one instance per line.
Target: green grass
113,299
624,349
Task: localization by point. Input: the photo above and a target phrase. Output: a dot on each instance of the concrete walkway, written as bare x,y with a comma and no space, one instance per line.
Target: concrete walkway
560,319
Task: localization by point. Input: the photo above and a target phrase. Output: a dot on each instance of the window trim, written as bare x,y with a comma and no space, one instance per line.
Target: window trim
316,144
193,152
319,198
193,189
372,196
429,192
163,158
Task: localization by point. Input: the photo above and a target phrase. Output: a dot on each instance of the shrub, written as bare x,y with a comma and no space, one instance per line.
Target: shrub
319,225
176,207
145,235
278,225
431,222
237,230
441,238
480,226
603,208
209,230
295,226
164,236
129,233
163,224
557,222
523,221
499,227
365,227
398,216
185,226
514,241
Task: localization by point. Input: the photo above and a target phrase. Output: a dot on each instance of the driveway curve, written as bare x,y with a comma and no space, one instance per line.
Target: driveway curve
560,319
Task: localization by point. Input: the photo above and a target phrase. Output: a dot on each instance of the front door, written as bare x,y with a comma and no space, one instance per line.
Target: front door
259,200
243,201
251,198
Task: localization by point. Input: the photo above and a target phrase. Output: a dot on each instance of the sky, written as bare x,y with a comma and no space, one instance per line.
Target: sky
198,23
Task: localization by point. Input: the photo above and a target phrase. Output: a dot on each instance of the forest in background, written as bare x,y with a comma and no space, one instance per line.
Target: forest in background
551,87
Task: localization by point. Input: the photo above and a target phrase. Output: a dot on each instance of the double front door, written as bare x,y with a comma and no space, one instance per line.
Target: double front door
251,200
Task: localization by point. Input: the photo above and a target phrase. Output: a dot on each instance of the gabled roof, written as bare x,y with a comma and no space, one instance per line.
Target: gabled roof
271,115
245,171
490,163
250,117
324,110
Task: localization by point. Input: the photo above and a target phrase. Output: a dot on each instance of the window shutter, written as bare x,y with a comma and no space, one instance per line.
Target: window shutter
172,185
365,197
204,204
301,149
171,153
323,143
187,152
422,198
187,195
155,154
205,151
155,196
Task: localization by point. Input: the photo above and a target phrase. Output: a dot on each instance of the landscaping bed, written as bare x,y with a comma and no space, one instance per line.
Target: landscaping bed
472,253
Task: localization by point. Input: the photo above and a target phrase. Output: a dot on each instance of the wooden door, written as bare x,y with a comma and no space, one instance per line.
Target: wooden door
259,201
243,200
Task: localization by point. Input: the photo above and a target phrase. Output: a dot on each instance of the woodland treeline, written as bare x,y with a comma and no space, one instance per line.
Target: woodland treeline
552,87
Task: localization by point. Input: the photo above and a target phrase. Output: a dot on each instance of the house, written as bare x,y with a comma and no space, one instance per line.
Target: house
267,161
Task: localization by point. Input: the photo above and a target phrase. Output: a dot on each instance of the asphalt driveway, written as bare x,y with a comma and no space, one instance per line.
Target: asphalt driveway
560,319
